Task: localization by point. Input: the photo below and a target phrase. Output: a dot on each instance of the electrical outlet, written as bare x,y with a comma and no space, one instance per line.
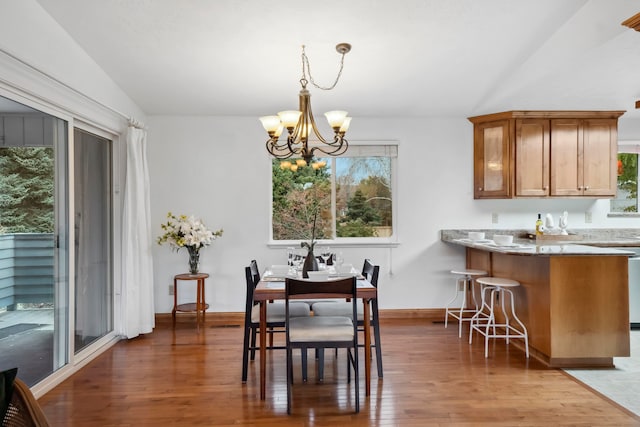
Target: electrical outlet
494,218
588,217
170,289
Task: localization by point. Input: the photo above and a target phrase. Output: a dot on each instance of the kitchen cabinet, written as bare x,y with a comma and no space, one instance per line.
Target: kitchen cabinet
545,154
583,157
491,160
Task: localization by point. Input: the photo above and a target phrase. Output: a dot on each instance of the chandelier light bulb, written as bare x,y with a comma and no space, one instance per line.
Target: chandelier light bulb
289,118
345,125
270,123
335,118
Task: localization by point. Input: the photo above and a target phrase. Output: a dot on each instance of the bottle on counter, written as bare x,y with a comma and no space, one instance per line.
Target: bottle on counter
539,226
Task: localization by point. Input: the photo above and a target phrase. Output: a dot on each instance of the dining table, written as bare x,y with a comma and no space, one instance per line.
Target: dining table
272,288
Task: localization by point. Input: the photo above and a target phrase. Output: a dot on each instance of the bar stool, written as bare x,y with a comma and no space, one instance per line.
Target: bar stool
485,322
466,281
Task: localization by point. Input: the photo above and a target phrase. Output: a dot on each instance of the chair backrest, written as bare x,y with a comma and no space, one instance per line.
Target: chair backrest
24,409
342,288
252,277
371,272
255,271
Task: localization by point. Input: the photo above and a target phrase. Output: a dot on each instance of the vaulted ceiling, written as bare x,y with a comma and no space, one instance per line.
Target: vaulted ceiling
409,57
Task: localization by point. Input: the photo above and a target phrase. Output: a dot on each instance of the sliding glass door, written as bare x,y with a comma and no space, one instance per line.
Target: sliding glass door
92,215
56,241
34,296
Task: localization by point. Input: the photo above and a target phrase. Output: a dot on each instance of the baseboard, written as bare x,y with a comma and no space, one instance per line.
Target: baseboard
237,318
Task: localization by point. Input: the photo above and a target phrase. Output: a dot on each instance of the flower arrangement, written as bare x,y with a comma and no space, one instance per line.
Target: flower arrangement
187,232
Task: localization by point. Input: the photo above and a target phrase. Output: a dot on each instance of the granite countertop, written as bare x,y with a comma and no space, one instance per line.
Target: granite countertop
585,242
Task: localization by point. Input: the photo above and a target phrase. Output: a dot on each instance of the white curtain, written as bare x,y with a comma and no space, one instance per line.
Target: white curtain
137,287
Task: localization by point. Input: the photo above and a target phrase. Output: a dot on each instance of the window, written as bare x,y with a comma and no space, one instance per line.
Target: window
345,197
626,200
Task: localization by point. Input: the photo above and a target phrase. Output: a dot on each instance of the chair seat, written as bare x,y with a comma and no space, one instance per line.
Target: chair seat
317,328
336,308
276,311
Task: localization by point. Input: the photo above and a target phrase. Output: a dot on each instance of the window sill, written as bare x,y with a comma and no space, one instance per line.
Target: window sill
341,244
623,215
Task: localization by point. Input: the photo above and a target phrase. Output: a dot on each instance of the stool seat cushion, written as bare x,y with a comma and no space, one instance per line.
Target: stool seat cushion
341,308
469,272
276,311
320,328
498,281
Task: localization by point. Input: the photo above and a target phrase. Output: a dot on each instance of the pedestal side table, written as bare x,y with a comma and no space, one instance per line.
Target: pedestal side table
199,306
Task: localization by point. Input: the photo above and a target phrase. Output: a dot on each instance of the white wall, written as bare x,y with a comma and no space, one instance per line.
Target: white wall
217,168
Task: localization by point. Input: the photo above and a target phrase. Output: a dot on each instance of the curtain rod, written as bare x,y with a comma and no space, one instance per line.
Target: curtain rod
131,121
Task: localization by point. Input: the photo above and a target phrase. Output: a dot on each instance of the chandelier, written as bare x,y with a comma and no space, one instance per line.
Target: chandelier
300,124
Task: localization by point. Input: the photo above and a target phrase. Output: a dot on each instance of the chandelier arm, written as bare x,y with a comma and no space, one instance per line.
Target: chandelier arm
280,151
341,148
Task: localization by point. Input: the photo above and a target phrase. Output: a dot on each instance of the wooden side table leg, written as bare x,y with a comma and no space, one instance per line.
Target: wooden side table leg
198,301
204,304
175,300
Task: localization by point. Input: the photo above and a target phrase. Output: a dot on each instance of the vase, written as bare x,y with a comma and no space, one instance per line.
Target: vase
310,264
194,260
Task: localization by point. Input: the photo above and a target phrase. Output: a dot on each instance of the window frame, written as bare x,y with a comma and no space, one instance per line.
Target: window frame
630,147
364,149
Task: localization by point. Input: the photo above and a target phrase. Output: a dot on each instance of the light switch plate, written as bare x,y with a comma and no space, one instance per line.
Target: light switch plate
494,218
170,289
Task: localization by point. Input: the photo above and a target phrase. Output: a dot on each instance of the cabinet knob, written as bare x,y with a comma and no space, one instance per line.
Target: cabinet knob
479,188
579,188
545,188
586,187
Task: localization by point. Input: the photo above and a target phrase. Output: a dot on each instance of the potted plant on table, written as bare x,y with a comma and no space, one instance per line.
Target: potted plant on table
187,232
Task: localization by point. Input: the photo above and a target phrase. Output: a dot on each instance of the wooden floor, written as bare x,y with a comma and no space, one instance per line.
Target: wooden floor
186,377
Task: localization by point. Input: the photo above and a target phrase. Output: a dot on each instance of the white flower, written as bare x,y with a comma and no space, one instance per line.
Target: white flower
187,231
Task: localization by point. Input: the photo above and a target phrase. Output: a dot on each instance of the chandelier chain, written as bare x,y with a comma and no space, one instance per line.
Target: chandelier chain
306,68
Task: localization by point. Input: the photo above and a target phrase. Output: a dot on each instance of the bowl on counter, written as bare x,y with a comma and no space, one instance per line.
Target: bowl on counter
503,239
476,235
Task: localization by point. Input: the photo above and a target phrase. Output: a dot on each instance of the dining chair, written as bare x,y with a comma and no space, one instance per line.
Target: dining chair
275,318
341,308
22,409
320,332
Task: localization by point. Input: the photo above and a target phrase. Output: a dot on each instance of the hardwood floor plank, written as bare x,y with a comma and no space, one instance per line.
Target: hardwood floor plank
189,377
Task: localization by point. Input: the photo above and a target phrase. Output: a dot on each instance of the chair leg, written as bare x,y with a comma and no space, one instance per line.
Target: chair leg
289,378
321,364
253,343
303,357
245,354
357,378
376,336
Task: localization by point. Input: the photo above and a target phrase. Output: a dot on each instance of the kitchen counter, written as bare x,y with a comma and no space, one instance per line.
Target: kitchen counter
527,247
574,295
599,237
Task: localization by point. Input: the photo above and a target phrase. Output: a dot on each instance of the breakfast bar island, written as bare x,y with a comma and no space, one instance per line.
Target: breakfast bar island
573,298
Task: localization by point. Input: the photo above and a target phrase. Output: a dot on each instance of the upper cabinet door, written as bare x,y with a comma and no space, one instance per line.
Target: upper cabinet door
491,158
566,157
599,159
532,157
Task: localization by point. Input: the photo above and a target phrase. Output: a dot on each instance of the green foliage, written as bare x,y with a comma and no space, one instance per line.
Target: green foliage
301,199
359,209
628,179
27,189
355,228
